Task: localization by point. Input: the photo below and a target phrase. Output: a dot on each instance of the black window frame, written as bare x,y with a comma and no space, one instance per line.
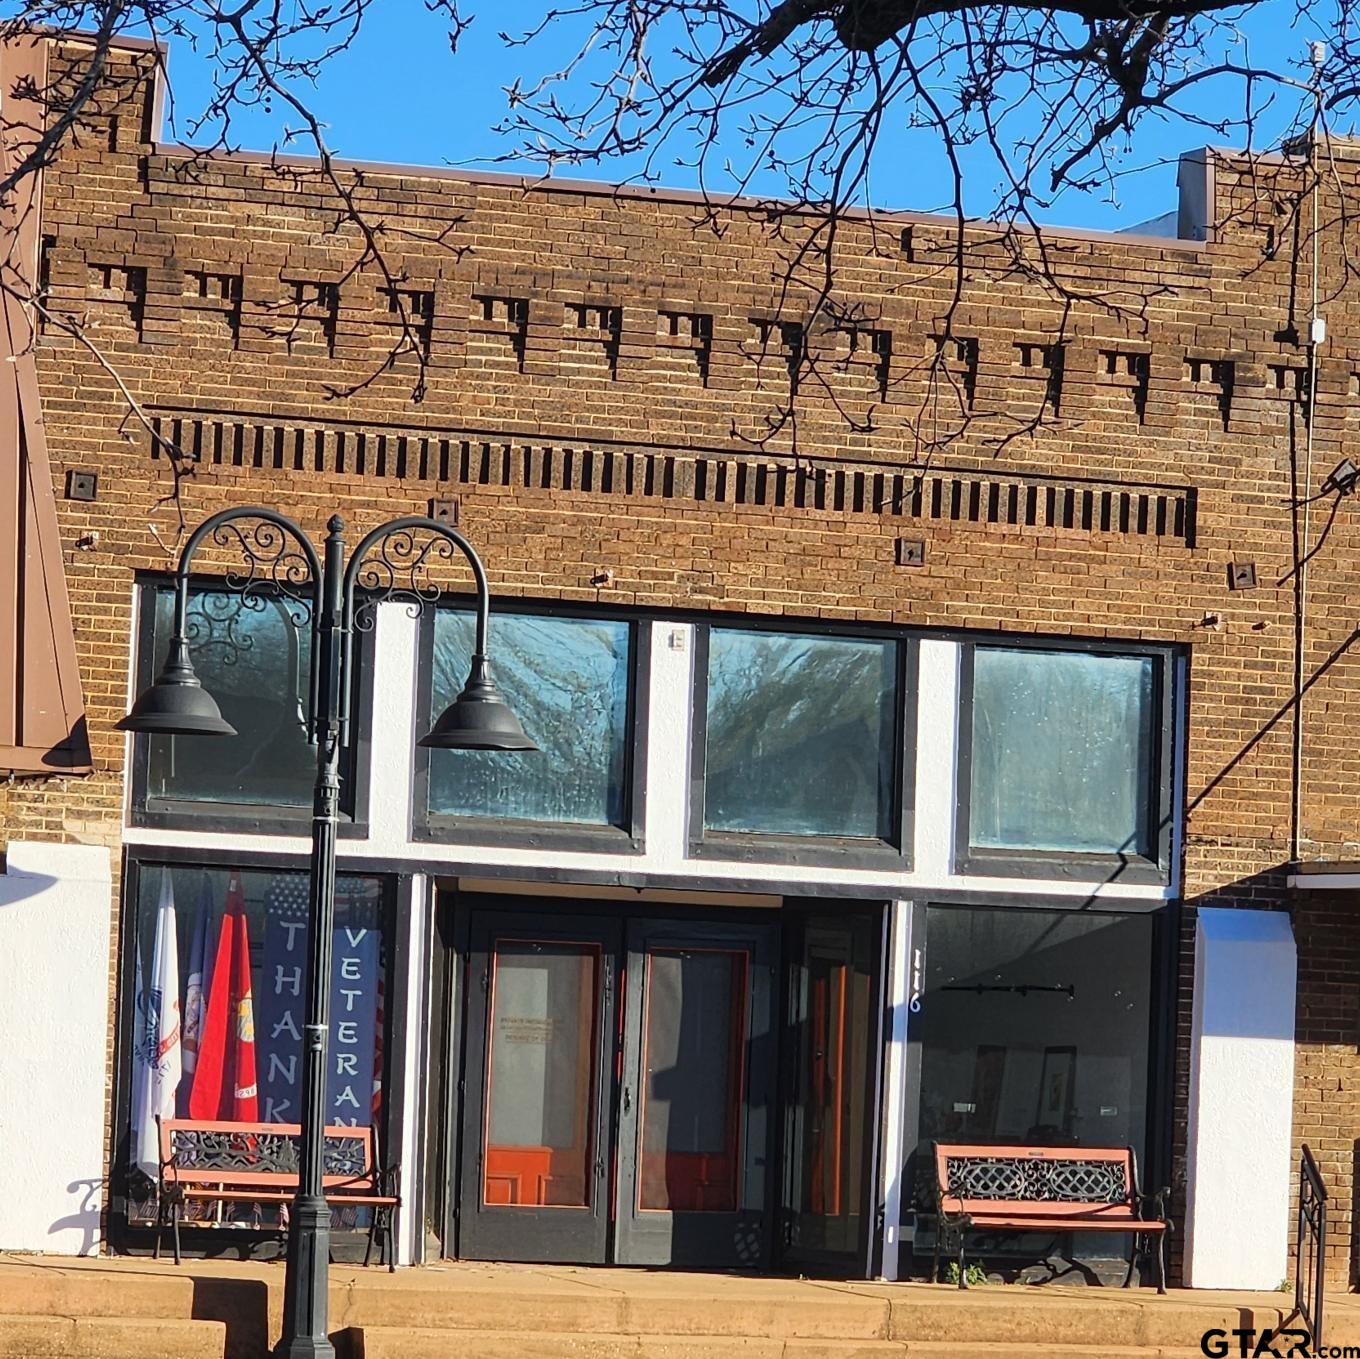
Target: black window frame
893,854
1114,866
446,828
398,901
254,818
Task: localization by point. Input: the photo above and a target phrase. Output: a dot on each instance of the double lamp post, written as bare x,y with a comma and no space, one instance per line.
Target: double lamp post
389,563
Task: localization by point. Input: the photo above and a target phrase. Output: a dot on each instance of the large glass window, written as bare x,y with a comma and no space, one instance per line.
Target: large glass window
801,735
219,961
254,661
1034,1028
567,679
1063,751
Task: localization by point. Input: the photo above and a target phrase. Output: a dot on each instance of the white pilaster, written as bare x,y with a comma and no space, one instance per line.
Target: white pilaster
1241,1100
937,736
55,909
396,645
895,1082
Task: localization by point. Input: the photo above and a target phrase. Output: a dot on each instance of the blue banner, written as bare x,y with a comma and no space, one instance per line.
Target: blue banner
355,971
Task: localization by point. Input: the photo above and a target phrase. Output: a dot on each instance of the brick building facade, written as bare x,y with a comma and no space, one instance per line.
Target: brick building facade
1137,469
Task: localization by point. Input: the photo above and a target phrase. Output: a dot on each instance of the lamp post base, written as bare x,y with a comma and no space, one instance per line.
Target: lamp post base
306,1300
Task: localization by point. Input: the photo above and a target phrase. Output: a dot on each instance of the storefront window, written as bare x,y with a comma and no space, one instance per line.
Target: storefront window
1034,1027
254,661
1063,752
567,679
219,986
801,735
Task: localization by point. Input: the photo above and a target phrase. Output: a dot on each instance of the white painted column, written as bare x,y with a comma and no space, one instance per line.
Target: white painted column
396,644
55,909
670,684
1241,1100
411,1216
895,1083
937,724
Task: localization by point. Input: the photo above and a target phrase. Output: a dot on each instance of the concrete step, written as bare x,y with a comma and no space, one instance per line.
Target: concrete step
1024,1317
1000,1316
72,1337
735,1312
441,1343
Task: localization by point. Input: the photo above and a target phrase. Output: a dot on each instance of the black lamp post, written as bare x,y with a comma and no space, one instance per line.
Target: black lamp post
388,563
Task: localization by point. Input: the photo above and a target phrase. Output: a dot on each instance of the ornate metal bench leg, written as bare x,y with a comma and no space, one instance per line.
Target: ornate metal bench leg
174,1227
963,1276
1138,1252
389,1242
1161,1262
935,1264
372,1231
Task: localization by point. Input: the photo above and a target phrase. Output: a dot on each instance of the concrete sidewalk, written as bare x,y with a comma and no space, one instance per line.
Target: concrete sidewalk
121,1308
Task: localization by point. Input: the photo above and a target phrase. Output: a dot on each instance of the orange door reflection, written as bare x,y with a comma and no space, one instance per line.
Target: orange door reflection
693,1078
541,1074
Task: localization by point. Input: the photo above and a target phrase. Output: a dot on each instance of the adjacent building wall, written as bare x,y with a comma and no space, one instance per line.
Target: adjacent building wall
54,937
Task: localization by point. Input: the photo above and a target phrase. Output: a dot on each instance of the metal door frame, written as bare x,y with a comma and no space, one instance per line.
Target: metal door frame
740,1239
548,1234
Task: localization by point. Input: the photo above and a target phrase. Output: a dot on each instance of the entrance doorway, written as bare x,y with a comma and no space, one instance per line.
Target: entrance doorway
692,1089
618,1092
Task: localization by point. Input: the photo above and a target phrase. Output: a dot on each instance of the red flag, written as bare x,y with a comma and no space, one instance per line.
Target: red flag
224,1079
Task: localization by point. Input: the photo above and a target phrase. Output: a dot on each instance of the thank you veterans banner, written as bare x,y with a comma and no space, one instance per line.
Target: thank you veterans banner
355,968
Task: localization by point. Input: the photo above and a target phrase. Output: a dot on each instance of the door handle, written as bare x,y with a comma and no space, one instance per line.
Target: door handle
627,1099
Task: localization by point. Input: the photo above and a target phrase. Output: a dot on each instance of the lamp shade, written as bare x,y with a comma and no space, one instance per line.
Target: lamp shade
177,704
478,719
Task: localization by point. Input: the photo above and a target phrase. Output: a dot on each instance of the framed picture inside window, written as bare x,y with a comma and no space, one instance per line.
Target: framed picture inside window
1056,1080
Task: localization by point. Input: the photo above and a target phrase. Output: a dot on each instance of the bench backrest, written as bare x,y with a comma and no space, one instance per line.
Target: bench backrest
261,1155
1039,1182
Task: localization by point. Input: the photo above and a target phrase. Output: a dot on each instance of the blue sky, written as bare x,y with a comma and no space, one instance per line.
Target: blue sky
400,95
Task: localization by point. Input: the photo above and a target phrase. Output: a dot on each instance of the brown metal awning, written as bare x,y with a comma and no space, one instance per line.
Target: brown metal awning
42,710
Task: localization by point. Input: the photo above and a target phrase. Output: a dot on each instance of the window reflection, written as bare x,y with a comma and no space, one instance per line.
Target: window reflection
567,680
1062,751
801,734
253,660
1034,1027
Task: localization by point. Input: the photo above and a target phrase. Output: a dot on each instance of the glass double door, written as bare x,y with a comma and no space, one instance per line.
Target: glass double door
618,1087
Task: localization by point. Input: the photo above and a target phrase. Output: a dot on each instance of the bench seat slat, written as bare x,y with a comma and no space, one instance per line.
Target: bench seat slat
274,1196
1067,1224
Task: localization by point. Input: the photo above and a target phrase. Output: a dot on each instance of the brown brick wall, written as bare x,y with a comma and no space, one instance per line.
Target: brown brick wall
602,381
1327,1075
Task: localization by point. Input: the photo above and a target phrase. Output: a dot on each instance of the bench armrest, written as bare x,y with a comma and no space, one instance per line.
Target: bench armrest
164,1163
1156,1199
961,1218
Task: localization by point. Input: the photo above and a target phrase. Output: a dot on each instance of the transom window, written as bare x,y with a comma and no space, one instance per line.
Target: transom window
569,680
1064,752
801,735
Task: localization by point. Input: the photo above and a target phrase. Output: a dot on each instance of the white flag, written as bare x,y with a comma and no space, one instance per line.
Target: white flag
162,1032
138,1054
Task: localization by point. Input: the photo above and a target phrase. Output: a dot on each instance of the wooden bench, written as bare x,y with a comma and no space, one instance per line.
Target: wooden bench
1046,1189
204,1161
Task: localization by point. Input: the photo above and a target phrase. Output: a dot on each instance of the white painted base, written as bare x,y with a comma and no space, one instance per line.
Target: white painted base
1241,1100
55,909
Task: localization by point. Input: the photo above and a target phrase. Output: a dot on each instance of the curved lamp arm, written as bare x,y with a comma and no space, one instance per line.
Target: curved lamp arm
408,524
285,526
